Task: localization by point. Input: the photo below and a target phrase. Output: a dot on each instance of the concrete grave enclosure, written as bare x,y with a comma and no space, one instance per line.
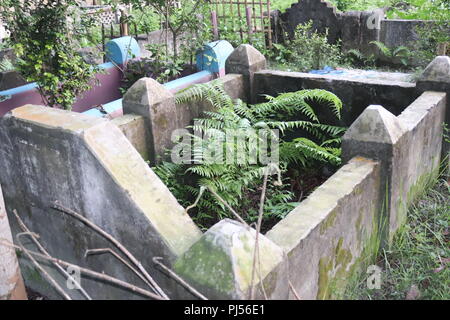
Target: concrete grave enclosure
96,167
356,29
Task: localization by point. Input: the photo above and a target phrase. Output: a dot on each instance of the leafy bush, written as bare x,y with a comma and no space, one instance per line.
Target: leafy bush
44,37
303,144
307,50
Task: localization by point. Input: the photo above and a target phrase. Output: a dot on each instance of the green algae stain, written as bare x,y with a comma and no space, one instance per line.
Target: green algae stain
207,265
329,222
325,266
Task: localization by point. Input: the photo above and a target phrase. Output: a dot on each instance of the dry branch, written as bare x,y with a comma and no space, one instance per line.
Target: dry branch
86,221
89,272
49,278
118,257
35,237
179,279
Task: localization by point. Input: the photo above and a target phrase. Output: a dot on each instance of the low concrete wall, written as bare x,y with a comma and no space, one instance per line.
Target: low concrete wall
338,229
326,236
408,147
356,29
356,94
156,104
89,166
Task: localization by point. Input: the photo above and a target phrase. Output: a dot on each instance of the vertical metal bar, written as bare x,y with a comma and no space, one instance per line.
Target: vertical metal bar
261,12
255,23
240,19
103,42
111,30
214,25
245,11
248,14
232,15
270,25
217,12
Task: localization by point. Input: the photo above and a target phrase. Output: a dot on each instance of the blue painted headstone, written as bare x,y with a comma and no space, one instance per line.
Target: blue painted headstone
120,50
213,56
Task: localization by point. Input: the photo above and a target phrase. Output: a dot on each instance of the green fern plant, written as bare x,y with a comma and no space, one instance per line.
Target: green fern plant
402,53
238,183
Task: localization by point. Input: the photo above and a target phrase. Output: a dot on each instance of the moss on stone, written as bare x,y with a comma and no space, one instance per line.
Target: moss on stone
207,265
329,222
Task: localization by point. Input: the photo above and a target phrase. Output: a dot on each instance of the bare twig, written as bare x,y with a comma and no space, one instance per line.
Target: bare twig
293,291
228,206
157,261
49,278
258,230
118,257
35,237
89,272
86,221
200,194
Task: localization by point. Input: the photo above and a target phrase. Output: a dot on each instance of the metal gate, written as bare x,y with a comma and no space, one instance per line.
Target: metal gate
248,19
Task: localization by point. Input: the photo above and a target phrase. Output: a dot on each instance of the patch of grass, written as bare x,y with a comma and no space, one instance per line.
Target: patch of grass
417,265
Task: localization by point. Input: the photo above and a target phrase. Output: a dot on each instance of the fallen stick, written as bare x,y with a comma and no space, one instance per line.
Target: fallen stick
49,278
91,273
42,249
118,257
86,221
228,206
179,279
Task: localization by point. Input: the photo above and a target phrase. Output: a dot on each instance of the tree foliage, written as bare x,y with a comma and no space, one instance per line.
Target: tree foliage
44,36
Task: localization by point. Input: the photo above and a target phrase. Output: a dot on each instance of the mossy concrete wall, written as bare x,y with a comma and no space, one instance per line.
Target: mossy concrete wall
356,94
89,166
408,148
328,234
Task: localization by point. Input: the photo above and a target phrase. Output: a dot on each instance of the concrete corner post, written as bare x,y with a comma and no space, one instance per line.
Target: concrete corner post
220,264
11,283
246,60
436,77
156,104
377,134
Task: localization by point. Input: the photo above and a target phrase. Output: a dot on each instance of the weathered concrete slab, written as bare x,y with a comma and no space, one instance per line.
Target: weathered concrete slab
133,128
89,166
328,236
420,157
220,264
